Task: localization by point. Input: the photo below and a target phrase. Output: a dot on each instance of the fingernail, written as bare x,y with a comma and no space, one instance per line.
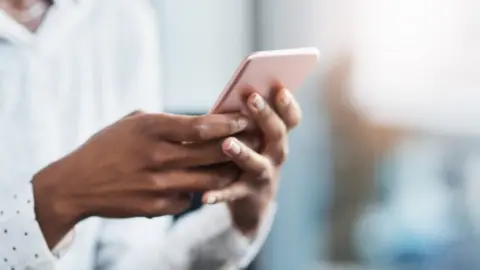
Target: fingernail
233,147
211,200
258,103
242,123
286,98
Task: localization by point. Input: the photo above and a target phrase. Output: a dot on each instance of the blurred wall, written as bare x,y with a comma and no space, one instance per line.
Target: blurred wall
203,41
414,67
417,64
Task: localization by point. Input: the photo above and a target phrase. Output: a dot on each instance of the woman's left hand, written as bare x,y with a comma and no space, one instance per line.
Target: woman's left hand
257,186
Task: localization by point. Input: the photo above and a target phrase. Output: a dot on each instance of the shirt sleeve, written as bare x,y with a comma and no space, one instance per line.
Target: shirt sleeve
207,239
203,240
23,245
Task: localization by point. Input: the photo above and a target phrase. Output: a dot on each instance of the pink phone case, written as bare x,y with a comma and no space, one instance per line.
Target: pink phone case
263,71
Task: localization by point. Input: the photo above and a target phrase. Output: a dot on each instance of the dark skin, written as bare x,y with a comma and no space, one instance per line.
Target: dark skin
138,166
249,196
141,166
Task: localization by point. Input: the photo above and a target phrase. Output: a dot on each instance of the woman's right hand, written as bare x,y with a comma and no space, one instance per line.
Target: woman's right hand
139,166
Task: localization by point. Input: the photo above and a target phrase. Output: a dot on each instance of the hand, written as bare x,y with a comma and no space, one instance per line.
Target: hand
257,186
137,167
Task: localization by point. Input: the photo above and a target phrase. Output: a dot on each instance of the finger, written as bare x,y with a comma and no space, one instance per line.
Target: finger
147,205
272,126
193,180
209,153
277,152
166,205
235,191
252,141
248,160
196,154
267,120
287,108
182,128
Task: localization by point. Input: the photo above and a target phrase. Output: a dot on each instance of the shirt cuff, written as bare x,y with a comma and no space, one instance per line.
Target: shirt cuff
64,245
23,244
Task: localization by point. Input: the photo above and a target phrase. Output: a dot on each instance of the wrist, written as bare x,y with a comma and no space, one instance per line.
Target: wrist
55,210
247,213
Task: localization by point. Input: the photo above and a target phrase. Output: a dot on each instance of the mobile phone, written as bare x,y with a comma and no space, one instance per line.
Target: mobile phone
263,71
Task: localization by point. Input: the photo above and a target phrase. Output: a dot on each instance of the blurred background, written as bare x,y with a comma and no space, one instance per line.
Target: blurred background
383,172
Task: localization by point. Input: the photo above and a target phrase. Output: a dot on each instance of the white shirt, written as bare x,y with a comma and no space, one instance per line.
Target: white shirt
90,63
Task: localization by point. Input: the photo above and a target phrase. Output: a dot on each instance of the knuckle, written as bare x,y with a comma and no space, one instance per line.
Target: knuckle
152,155
244,155
155,183
144,123
163,154
267,112
278,133
135,113
234,125
265,174
171,155
155,156
295,118
265,171
282,155
198,128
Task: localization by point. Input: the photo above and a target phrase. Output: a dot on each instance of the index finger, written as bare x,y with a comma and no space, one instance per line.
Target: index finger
185,128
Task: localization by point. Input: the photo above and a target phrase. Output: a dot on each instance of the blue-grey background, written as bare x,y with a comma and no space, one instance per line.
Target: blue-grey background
413,201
